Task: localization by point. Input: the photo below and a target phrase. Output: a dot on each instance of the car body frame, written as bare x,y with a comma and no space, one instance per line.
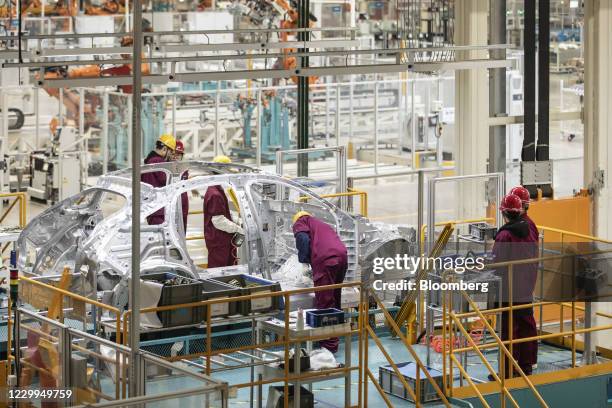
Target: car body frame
79,234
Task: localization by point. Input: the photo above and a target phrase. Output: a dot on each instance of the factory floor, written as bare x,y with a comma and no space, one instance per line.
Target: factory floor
331,393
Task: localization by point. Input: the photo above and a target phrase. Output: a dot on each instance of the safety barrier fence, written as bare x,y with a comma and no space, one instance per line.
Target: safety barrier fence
563,244
91,369
366,374
453,224
18,198
287,338
453,322
351,192
42,292
43,296
453,326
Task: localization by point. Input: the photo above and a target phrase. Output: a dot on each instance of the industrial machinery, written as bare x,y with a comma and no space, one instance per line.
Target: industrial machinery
58,8
106,7
275,126
56,172
96,244
71,97
277,13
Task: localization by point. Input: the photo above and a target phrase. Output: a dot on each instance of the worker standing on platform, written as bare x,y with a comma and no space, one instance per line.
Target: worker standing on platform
522,193
164,148
320,246
515,241
222,235
178,155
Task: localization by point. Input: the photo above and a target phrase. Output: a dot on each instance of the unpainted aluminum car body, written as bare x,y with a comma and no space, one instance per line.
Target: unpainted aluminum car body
78,233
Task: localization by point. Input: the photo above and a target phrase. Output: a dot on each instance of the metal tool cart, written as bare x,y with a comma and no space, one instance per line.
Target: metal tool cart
277,327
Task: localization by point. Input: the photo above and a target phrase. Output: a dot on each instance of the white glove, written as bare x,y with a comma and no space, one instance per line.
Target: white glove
222,223
306,270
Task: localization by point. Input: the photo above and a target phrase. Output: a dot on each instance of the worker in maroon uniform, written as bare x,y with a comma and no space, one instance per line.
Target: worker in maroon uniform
178,155
319,245
164,147
522,193
515,241
220,231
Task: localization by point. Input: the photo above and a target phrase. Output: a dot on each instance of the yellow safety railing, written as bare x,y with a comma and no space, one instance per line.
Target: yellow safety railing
453,224
364,332
363,198
64,293
18,198
286,341
452,321
368,332
59,295
562,235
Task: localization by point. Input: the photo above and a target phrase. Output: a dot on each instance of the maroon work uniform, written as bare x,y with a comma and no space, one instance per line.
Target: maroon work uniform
533,229
319,245
218,243
156,179
516,241
185,202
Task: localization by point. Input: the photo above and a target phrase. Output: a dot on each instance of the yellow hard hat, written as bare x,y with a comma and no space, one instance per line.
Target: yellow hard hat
222,159
299,215
168,140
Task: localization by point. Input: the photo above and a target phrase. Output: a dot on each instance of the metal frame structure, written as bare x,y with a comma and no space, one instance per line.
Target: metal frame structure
452,325
69,341
431,204
341,164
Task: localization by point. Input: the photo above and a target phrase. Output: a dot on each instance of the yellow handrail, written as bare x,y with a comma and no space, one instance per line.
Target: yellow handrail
285,341
363,197
80,298
573,234
21,197
502,347
454,321
421,367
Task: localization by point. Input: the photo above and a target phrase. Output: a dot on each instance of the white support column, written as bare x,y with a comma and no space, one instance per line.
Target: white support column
598,129
471,106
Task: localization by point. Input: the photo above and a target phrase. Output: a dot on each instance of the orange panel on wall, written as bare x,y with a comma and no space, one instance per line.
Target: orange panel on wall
570,214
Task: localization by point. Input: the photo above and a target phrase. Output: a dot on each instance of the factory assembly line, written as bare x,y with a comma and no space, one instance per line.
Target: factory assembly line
305,203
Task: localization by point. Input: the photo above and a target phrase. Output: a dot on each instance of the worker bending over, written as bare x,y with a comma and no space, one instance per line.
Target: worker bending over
319,245
179,153
522,193
515,241
221,234
164,148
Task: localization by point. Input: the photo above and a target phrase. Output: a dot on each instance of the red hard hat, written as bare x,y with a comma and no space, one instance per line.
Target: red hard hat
522,193
180,148
511,203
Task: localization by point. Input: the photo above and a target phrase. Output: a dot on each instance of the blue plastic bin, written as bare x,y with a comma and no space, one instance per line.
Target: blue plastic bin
324,317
